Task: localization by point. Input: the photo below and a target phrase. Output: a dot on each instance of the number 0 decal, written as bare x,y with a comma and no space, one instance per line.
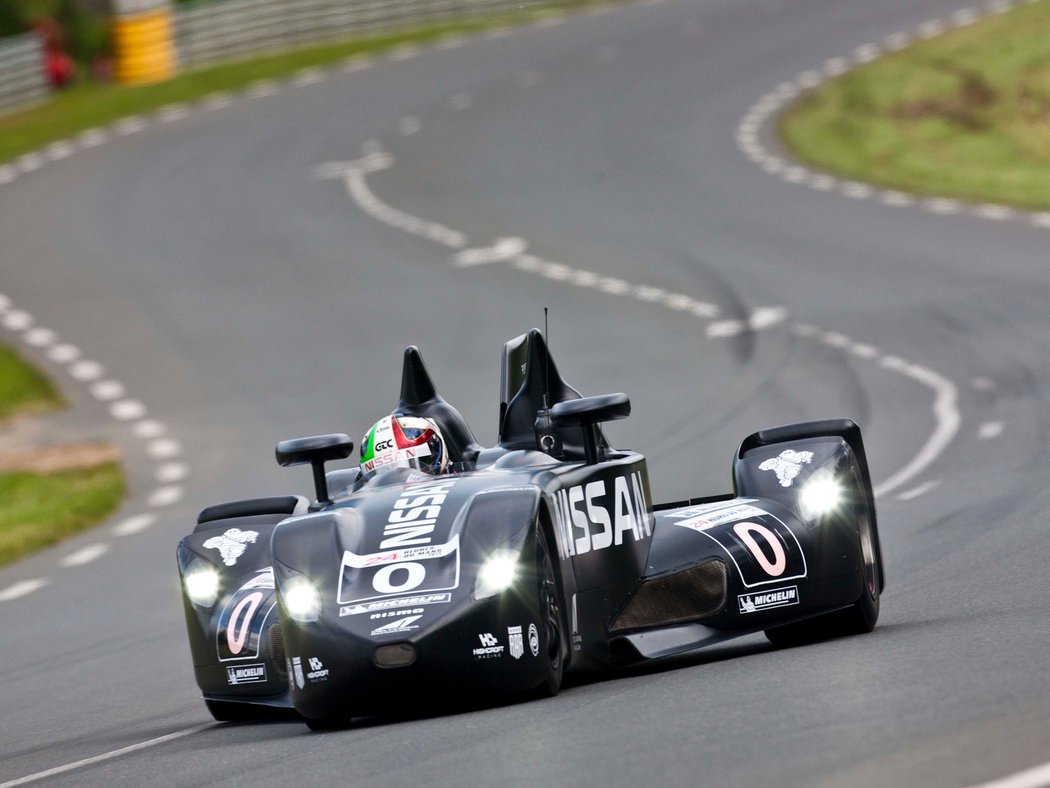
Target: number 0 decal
763,549
774,568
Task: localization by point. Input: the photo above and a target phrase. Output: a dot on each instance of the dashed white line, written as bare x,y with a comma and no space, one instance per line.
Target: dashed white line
403,53
40,337
127,410
85,555
22,588
131,125
92,138
172,113
409,125
149,428
165,496
17,320
107,390
163,448
134,525
86,371
171,472
64,353
307,77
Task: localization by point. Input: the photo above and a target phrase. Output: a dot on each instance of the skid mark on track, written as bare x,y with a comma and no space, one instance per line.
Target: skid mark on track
514,251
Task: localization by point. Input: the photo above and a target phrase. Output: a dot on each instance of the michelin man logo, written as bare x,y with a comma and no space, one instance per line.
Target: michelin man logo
787,465
232,544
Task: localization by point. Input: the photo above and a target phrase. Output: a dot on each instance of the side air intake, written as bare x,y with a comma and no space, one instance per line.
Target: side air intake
694,593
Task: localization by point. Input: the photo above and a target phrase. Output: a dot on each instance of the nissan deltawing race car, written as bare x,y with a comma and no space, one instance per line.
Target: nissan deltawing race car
540,555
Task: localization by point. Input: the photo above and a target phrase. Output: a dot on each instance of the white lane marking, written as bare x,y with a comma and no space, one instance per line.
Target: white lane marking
7,174
215,101
262,89
92,138
165,496
134,525
163,448
503,250
131,125
453,42
355,64
149,428
57,151
402,53
171,472
86,371
499,32
1036,777
915,492
308,76
40,337
107,390
64,353
990,429
22,588
172,113
107,756
30,162
85,555
947,418
17,320
127,410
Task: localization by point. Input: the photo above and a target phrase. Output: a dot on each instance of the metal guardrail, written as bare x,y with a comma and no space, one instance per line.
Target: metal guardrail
211,31
22,78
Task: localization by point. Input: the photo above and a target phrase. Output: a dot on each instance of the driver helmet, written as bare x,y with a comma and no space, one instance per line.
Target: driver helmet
406,442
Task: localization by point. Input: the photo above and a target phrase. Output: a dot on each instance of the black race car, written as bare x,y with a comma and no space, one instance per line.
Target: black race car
540,555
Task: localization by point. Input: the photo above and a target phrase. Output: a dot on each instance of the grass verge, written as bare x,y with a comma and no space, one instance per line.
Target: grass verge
964,115
23,389
37,510
87,106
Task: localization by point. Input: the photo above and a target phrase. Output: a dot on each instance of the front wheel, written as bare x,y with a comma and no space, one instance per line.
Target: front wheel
552,630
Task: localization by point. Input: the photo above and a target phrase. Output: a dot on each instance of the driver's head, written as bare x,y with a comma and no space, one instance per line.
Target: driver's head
405,442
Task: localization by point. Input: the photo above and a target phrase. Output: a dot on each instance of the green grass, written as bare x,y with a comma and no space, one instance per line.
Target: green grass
23,389
965,115
37,510
87,105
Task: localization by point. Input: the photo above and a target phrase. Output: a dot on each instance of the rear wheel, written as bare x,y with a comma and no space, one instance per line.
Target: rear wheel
862,615
552,630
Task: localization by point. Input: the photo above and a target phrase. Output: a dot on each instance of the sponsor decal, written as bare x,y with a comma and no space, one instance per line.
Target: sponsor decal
387,604
232,544
764,600
245,674
317,672
516,642
297,670
726,514
788,465
395,458
489,647
392,613
705,508
577,638
534,640
398,627
592,517
406,554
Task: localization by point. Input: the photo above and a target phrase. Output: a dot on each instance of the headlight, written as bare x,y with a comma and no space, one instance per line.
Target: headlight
496,574
301,599
820,495
201,582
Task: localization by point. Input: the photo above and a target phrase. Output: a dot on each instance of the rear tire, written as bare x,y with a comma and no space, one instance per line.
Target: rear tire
862,615
552,629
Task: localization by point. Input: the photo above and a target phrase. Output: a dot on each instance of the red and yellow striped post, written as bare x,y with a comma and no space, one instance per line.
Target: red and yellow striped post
143,41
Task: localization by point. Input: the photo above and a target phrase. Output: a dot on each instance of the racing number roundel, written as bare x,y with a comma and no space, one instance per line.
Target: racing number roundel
240,625
746,531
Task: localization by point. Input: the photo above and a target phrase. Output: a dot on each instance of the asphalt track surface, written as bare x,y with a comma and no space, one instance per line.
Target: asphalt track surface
240,293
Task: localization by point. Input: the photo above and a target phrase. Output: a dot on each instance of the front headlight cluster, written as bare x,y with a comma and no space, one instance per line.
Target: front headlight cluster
497,574
201,581
302,600
820,495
